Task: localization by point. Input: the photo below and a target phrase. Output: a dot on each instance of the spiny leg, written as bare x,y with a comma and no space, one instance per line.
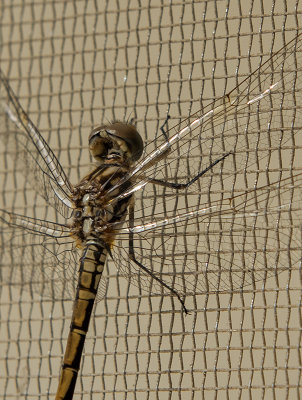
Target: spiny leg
179,186
141,266
162,128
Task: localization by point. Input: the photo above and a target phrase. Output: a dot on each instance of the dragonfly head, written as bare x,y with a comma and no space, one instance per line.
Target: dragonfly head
115,141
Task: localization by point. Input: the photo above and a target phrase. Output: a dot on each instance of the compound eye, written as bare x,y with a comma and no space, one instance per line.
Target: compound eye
128,133
99,143
95,134
111,132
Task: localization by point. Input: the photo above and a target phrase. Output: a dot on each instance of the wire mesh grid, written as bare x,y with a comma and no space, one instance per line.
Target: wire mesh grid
76,64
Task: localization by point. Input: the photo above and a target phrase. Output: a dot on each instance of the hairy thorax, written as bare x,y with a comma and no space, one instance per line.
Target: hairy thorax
97,213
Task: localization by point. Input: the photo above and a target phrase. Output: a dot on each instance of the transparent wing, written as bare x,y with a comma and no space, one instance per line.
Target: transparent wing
32,155
40,256
256,118
225,246
196,240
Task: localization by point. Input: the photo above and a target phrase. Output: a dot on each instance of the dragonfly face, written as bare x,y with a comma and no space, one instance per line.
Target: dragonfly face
116,141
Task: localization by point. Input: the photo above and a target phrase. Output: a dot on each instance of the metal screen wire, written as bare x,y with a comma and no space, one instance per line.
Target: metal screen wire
75,65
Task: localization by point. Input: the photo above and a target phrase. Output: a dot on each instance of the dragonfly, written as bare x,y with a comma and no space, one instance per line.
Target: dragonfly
184,215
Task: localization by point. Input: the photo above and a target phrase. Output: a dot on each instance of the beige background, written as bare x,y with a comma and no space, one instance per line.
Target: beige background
73,66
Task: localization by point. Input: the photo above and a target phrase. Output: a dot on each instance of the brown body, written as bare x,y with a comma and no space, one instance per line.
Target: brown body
98,202
91,228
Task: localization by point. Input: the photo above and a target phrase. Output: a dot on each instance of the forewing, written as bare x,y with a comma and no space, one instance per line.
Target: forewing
33,157
256,119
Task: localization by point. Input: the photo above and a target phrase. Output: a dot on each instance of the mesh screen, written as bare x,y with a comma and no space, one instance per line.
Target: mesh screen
77,64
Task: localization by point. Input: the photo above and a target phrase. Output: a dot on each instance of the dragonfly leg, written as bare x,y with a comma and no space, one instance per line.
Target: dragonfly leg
162,128
141,266
181,186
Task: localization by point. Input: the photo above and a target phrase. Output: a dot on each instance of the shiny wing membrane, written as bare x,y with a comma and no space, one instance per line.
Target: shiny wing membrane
40,256
231,244
256,123
34,256
257,117
33,157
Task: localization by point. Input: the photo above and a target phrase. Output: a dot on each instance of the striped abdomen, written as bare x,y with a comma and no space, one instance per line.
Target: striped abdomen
91,268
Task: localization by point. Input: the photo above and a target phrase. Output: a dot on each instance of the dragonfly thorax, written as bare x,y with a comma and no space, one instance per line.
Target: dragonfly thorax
95,211
91,217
